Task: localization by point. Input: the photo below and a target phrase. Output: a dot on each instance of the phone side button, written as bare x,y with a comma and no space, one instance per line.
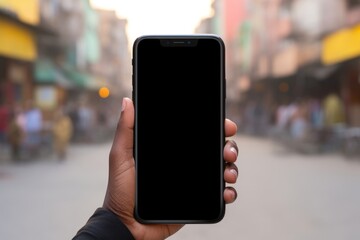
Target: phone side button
225,89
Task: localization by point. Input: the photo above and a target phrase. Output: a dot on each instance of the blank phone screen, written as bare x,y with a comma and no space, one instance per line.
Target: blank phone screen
179,129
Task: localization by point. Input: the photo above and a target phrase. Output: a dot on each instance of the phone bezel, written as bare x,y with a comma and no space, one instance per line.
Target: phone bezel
194,38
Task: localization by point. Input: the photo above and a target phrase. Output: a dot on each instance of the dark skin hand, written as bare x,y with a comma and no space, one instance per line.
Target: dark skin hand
120,195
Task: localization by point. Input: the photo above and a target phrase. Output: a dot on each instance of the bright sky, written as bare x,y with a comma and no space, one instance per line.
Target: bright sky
158,16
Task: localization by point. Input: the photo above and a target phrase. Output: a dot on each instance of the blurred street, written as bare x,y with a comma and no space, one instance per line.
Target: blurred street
281,195
292,86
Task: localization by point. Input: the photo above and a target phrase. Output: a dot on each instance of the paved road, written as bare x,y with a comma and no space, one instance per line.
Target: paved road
282,196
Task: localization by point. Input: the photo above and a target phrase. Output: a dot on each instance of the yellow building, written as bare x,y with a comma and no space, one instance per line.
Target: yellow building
18,51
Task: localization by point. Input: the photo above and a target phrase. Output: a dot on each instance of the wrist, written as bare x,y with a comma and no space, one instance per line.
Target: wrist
104,224
132,225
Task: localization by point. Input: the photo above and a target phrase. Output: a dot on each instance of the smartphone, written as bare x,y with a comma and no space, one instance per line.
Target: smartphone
179,95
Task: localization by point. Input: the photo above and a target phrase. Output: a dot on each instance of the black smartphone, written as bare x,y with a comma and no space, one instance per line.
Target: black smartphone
179,95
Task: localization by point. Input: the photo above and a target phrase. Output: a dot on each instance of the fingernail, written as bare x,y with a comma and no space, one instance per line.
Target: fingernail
232,149
234,172
235,195
123,105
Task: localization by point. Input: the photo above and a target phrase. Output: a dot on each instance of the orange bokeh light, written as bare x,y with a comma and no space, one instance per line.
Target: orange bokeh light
104,92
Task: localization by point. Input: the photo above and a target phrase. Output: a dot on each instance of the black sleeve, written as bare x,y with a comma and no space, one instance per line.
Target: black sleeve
103,225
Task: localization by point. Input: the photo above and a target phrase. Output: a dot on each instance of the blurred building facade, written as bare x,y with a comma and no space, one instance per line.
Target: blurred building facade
19,28
282,52
114,64
300,51
225,22
54,51
54,72
58,54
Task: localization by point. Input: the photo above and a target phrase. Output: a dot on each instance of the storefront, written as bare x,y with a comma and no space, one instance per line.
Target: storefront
15,80
342,48
17,53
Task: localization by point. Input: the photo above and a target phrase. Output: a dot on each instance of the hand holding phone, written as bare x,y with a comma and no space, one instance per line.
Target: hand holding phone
120,194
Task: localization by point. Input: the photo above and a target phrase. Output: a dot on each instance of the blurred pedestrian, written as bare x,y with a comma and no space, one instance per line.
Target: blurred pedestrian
299,122
333,110
62,132
86,120
316,114
33,128
249,117
73,112
282,120
15,135
334,116
4,122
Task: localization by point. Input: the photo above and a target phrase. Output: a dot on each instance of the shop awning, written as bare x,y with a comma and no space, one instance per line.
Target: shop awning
16,41
47,73
78,78
341,45
18,38
81,79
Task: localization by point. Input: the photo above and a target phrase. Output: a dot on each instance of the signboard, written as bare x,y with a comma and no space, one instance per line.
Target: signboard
45,97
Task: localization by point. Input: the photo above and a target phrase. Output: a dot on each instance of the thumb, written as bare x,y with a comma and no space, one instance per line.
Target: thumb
122,148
